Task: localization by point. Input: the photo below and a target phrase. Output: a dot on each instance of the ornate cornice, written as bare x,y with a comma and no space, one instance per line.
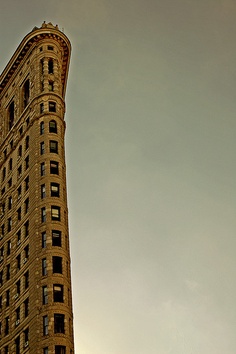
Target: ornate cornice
35,36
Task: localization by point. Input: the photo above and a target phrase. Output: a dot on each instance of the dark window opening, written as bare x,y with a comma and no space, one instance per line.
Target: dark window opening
50,85
53,146
26,93
26,277
58,293
59,326
44,266
11,111
52,126
42,128
42,148
45,325
42,169
8,275
26,307
50,66
54,167
8,298
52,106
43,214
56,238
57,264
60,349
27,142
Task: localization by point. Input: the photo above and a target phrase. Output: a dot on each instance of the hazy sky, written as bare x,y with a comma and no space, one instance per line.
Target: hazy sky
151,145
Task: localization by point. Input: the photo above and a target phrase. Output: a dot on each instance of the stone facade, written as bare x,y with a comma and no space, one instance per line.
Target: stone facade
35,278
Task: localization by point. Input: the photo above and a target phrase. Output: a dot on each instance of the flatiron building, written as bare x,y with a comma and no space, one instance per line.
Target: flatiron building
35,277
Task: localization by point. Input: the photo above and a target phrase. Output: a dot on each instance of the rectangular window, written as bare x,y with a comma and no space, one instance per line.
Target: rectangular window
42,148
9,224
52,106
26,253
43,191
41,128
52,126
26,93
60,349
26,227
44,266
26,307
54,167
59,326
50,66
26,335
26,277
55,190
11,113
19,193
17,344
57,264
45,325
19,171
50,85
41,108
55,213
8,247
18,315
26,205
42,169
45,350
43,214
4,173
45,295
7,298
27,142
56,238
26,162
53,146
10,183
1,277
17,288
44,239
58,293
8,275
18,261
7,322
19,214
9,203
26,183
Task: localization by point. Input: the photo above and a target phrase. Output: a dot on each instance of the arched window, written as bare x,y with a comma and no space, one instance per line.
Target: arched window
52,126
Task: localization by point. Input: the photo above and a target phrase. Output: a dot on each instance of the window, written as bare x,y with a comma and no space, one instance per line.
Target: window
45,325
26,205
19,171
7,298
27,142
56,238
26,227
41,128
20,151
8,247
42,169
54,167
26,278
9,224
18,261
9,203
41,108
57,264
3,191
50,85
27,183
5,153
7,322
6,351
18,314
42,148
26,335
1,302
17,288
59,326
45,295
27,162
4,173
43,191
52,106
19,192
19,214
55,213
44,266
1,277
60,349
17,344
55,190
8,272
50,66
27,121
26,307
11,144
45,350
43,214
11,112
10,164
50,47
26,253
21,131
53,146
10,182
26,93
44,239
58,293
52,126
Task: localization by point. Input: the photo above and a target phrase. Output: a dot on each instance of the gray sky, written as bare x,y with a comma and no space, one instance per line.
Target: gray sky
151,127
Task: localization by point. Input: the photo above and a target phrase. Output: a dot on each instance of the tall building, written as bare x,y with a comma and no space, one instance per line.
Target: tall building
35,278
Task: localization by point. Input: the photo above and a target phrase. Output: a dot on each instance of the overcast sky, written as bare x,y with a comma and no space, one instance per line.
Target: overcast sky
151,172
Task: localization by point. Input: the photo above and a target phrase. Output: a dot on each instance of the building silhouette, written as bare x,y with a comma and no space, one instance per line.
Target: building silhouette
35,278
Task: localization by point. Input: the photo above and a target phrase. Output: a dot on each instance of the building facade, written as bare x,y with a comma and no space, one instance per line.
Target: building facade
35,278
